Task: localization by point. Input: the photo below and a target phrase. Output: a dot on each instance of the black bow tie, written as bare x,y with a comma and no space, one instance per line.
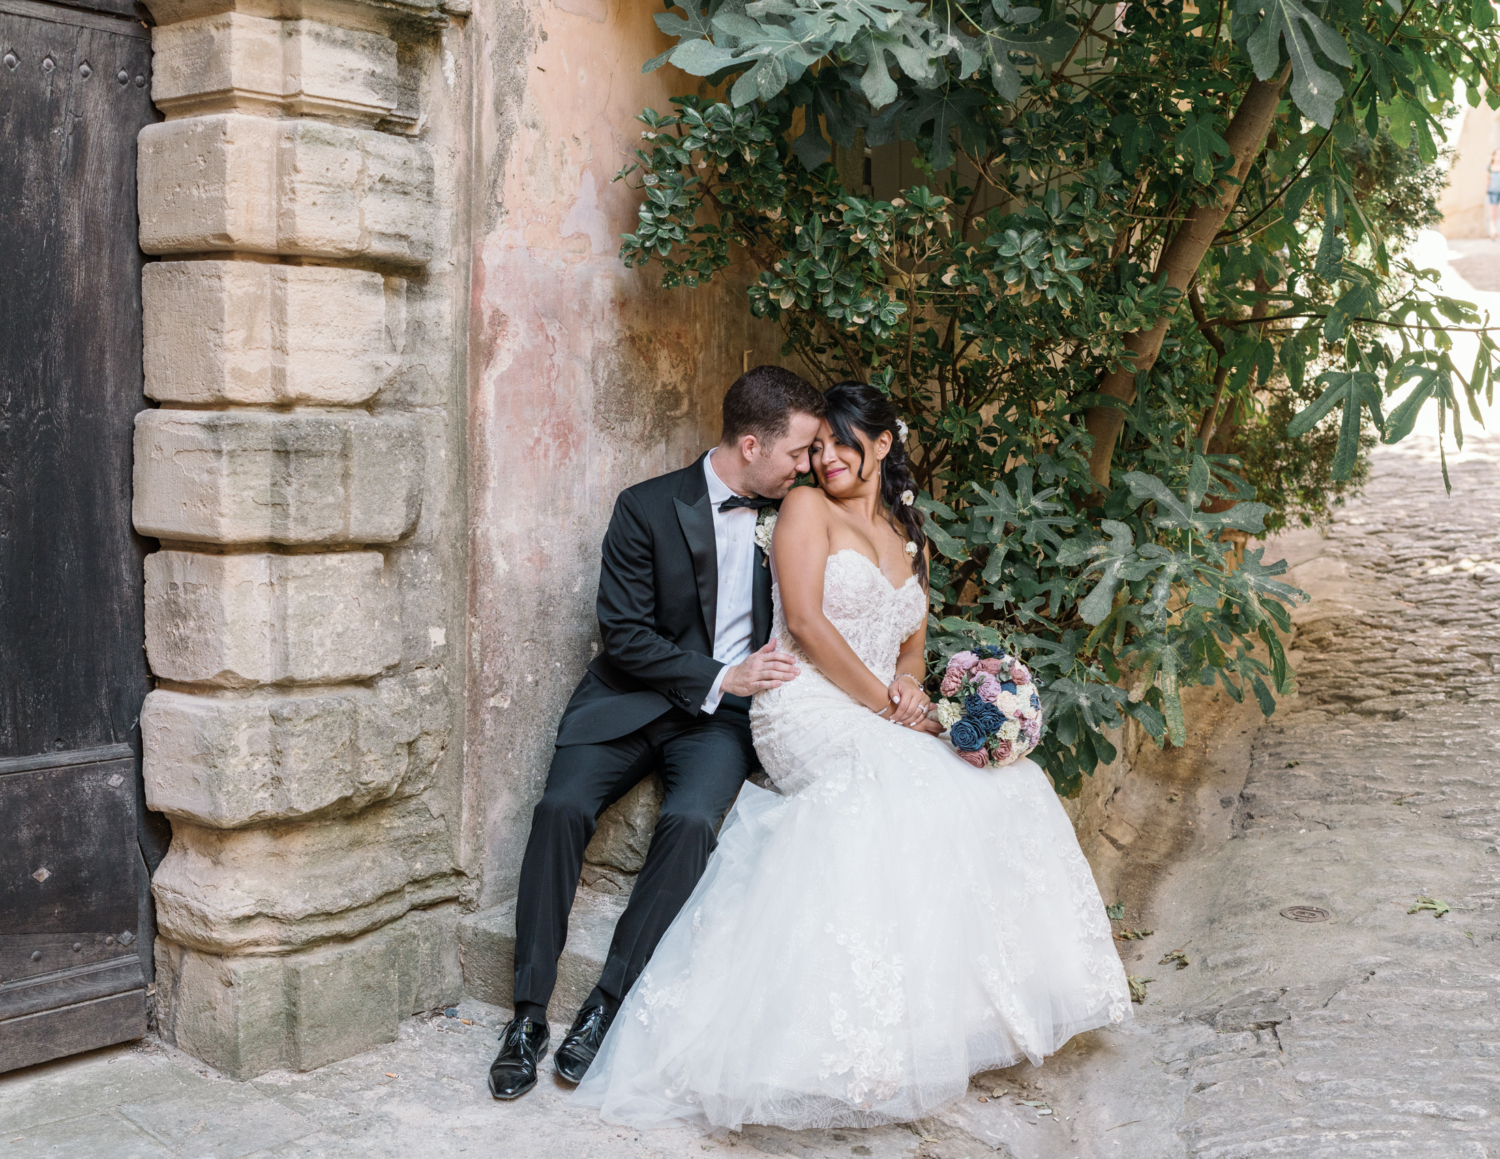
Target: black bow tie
754,501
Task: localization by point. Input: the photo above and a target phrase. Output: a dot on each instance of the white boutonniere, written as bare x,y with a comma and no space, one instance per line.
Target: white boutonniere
765,525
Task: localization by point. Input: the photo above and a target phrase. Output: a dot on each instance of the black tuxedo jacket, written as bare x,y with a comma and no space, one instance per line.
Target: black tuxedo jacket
658,601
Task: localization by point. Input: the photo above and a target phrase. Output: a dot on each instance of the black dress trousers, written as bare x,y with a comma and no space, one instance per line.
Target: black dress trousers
703,761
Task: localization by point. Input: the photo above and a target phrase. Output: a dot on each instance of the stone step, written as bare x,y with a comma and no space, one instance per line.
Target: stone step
487,945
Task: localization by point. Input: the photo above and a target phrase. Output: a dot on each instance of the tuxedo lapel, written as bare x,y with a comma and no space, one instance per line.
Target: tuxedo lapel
760,602
695,513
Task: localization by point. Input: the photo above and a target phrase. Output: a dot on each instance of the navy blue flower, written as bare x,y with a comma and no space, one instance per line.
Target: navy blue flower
966,736
989,718
973,703
987,651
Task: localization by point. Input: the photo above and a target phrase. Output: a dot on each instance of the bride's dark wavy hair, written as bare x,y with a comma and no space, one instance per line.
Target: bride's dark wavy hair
851,406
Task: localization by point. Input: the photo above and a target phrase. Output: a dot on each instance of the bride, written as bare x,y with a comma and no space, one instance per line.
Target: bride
893,920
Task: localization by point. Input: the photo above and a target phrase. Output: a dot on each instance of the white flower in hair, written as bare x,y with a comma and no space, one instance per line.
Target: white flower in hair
902,428
911,548
907,498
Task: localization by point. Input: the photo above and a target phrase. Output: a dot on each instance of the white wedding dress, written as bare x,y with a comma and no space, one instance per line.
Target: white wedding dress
890,923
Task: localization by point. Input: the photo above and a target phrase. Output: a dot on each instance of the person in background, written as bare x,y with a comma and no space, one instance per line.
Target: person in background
1494,194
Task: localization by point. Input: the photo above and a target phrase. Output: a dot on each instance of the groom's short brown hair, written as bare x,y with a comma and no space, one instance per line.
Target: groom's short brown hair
761,402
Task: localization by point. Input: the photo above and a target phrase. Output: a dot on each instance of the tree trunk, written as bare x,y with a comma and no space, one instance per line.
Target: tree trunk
1179,261
850,164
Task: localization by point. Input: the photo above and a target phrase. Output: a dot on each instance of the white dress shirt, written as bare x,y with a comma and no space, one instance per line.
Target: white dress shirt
734,539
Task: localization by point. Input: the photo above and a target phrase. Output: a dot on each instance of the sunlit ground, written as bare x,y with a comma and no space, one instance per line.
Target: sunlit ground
1471,272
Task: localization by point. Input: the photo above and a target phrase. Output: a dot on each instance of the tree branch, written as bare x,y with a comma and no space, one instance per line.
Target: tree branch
1179,262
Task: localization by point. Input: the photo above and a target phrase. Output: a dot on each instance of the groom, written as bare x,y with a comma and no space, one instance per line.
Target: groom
685,616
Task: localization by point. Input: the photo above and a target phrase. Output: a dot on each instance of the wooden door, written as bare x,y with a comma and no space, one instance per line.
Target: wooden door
75,840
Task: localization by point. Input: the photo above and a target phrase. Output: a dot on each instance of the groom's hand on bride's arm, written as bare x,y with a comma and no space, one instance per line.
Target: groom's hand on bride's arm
761,670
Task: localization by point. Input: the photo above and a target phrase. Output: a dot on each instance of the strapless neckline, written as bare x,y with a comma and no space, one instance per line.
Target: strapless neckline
878,569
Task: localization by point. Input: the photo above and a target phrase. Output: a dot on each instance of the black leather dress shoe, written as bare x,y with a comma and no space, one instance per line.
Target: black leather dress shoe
582,1044
523,1044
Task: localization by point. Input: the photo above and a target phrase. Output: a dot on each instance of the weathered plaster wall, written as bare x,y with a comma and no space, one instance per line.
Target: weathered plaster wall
585,377
1463,202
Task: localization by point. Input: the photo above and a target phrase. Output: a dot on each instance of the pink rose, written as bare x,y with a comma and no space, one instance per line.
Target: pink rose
989,688
991,666
962,661
977,759
1019,673
951,683
1002,752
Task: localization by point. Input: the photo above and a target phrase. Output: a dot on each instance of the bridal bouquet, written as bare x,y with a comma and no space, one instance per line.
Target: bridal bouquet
990,707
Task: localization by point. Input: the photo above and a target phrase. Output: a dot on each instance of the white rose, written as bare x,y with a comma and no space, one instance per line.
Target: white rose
764,528
1008,703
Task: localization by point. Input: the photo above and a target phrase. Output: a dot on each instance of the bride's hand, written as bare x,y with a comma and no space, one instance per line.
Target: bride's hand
909,703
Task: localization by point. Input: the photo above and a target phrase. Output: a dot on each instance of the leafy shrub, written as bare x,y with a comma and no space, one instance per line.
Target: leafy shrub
1125,260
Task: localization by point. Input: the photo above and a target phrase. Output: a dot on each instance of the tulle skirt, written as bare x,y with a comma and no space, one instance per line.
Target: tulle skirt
857,949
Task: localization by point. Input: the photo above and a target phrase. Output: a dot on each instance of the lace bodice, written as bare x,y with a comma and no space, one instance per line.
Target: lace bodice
800,718
872,615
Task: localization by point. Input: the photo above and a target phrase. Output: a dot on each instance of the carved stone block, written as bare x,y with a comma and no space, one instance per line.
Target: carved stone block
277,887
262,185
241,620
250,1014
235,61
250,333
228,762
256,477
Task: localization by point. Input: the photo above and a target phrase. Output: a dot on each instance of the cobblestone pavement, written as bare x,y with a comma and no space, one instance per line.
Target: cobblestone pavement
1375,1032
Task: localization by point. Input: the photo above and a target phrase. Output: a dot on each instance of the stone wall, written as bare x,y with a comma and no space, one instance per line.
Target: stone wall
304,474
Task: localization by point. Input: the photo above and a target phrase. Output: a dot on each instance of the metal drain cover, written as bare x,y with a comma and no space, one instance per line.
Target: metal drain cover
1306,913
